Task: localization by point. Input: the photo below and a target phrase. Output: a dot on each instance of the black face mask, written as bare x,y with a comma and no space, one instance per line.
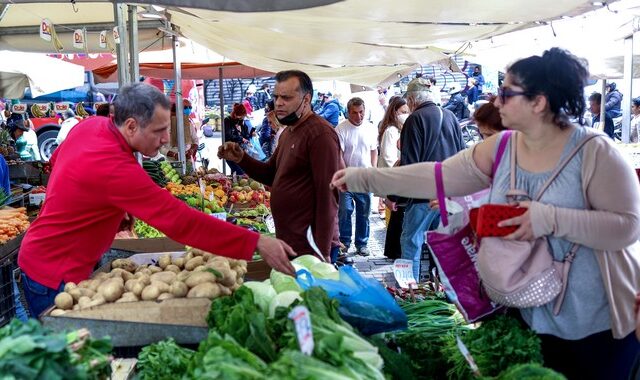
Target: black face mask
291,118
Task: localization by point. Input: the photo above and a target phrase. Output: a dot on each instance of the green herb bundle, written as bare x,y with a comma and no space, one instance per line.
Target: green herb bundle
164,360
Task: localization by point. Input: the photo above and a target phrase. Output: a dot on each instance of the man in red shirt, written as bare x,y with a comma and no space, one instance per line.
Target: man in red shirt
96,180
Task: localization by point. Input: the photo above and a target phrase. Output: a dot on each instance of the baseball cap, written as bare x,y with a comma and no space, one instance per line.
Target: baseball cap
418,85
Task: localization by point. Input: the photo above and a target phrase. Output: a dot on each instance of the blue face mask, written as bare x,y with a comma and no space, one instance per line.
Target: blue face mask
187,111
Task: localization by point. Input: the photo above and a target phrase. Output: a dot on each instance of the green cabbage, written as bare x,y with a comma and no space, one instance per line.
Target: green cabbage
282,282
262,294
306,261
284,299
325,271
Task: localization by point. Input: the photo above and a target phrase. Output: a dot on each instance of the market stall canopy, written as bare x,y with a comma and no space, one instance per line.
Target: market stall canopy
595,36
42,74
359,41
189,71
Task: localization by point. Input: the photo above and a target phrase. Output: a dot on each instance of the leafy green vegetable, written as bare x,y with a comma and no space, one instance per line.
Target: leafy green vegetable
224,358
397,366
432,318
164,360
529,371
495,346
294,365
263,293
143,230
29,351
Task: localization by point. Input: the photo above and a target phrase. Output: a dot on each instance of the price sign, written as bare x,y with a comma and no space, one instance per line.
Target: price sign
220,215
271,225
403,272
302,321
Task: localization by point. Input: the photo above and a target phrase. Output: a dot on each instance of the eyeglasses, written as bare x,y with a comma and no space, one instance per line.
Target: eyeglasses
505,93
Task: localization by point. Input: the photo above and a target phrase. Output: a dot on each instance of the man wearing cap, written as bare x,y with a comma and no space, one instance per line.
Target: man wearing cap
69,122
456,101
330,110
429,134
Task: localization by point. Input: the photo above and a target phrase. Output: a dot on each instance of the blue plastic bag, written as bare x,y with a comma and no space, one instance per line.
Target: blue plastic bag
364,303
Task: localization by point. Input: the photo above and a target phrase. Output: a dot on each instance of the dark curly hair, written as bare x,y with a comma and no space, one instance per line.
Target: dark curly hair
560,77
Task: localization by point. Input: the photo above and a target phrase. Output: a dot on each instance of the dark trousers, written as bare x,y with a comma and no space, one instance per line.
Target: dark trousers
597,356
37,296
392,247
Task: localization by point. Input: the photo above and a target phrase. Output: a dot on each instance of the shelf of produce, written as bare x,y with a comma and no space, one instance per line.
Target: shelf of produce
11,246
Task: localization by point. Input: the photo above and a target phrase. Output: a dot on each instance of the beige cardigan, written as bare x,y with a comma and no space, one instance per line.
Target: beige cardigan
611,225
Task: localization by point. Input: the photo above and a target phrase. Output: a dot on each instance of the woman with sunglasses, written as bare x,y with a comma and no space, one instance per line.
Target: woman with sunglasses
594,202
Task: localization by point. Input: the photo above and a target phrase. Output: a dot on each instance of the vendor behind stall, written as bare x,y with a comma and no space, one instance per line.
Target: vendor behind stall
17,129
95,180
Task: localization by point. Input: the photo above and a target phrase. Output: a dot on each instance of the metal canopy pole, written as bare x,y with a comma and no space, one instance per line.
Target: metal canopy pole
119,16
177,87
134,66
628,84
221,94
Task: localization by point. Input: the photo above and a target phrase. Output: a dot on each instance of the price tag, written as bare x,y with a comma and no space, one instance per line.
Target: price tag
271,226
302,321
403,272
467,355
220,215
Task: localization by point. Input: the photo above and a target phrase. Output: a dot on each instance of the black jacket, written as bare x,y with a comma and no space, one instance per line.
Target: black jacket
231,133
428,137
456,105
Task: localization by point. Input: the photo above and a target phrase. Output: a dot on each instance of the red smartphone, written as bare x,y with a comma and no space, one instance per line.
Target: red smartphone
488,217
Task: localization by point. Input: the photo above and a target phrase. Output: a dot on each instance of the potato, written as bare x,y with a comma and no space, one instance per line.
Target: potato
102,276
111,290
199,268
232,262
76,307
166,277
164,261
204,290
154,269
188,257
207,256
84,302
240,281
94,284
98,300
125,264
242,263
222,266
235,287
56,312
183,275
165,296
163,287
229,278
150,293
129,284
172,268
196,252
128,297
70,285
225,291
144,278
193,263
80,292
198,278
84,284
64,301
179,289
179,262
138,288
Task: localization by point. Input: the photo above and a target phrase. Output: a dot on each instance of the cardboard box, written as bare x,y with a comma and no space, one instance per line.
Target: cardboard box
163,244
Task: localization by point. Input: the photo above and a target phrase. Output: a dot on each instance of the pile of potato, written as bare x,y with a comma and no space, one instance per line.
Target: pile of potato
196,274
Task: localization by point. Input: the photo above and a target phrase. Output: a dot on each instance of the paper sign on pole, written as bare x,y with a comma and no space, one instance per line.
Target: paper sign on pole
103,39
116,35
78,39
45,29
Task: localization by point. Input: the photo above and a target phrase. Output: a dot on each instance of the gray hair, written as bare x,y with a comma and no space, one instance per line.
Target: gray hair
139,101
420,97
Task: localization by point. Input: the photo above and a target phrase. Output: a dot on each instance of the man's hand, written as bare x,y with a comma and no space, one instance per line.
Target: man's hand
391,205
276,253
339,180
230,151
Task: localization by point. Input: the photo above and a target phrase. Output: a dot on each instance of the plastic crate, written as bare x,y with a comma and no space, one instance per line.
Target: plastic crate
7,307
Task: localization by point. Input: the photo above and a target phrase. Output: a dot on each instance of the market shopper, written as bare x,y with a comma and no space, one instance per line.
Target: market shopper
429,134
360,150
300,169
236,129
96,179
595,202
487,119
595,107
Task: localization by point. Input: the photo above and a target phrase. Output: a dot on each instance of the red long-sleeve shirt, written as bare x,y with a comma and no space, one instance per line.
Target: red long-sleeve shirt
94,181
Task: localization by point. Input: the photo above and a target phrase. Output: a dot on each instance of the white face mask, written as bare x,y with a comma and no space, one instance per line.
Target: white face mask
403,117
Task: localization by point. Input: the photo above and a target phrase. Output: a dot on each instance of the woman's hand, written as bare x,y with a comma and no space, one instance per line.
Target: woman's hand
525,231
391,205
339,180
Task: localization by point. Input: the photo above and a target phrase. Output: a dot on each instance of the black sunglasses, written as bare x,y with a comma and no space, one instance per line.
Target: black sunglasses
505,93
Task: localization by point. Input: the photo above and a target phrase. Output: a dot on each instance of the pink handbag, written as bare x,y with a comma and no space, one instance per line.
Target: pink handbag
524,274
455,248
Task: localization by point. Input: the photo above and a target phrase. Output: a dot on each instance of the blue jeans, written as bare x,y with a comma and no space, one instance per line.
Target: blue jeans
362,203
335,252
418,218
37,296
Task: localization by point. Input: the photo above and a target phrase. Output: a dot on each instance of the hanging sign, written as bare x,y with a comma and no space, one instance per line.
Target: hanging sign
61,107
78,39
43,107
103,39
116,35
19,108
46,29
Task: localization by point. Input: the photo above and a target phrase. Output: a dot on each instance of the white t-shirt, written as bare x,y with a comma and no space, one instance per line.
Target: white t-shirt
65,128
389,152
357,143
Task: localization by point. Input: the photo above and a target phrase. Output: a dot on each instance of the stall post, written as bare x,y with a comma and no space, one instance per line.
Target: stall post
179,106
119,15
221,94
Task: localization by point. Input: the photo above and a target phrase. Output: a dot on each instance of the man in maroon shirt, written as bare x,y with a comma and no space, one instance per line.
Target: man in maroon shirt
96,179
300,169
